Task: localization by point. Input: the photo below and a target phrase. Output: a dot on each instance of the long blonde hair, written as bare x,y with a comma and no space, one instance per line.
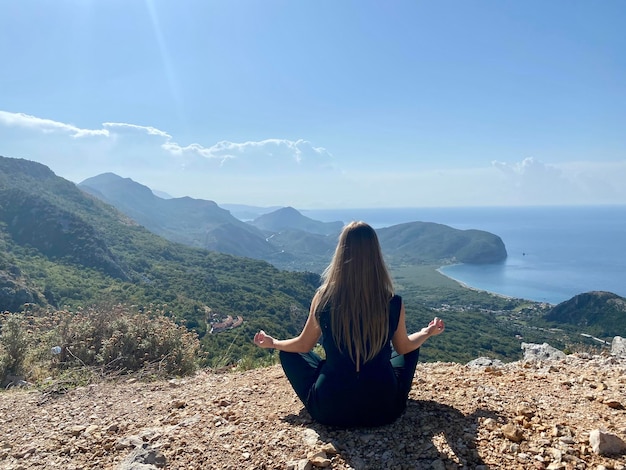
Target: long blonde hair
357,287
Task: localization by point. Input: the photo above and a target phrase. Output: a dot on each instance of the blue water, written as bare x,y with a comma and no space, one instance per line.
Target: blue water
554,253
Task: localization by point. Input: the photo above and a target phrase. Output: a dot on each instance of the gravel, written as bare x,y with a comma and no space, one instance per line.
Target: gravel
528,414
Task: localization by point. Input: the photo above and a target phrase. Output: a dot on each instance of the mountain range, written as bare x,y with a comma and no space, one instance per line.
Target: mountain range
111,240
194,222
60,247
284,237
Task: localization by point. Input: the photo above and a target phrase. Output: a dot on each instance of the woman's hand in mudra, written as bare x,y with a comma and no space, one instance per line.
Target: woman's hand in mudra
263,341
435,327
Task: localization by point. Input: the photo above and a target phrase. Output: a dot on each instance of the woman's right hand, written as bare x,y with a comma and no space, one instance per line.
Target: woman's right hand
263,341
435,327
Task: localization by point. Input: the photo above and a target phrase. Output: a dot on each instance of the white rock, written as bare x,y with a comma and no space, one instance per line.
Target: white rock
302,464
310,437
541,352
618,346
485,362
605,443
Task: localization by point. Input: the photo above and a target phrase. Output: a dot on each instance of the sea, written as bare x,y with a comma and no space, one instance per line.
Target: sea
554,253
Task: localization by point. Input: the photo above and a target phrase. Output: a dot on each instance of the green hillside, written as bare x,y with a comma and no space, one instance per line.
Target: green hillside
427,242
61,247
479,323
602,314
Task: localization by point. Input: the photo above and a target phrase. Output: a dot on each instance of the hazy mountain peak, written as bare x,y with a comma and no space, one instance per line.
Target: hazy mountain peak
111,179
102,177
288,218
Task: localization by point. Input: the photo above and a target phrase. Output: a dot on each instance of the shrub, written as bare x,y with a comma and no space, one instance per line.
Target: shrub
13,346
118,339
139,340
107,340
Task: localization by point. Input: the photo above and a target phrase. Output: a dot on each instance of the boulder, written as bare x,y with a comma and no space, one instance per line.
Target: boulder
143,457
485,362
618,346
541,352
606,443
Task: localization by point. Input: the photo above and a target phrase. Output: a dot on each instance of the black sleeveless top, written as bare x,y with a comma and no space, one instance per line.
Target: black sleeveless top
344,397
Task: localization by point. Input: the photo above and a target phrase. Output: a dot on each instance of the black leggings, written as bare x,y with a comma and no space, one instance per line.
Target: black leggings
303,369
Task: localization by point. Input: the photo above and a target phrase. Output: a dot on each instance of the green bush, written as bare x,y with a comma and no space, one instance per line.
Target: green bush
141,339
109,340
13,346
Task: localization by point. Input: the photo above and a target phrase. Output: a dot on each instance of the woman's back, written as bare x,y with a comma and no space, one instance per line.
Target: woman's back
356,290
347,397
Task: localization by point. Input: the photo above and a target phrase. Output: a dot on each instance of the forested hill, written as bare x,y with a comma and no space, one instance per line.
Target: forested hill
61,247
427,242
599,313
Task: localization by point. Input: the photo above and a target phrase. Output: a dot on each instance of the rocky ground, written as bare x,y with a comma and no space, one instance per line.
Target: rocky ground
530,414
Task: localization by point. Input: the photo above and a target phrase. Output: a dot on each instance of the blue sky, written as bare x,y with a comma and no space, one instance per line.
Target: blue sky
326,103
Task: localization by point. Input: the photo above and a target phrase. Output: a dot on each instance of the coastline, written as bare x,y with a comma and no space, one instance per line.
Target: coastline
540,267
476,289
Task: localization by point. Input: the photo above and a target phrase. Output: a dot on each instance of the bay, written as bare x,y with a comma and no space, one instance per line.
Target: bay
554,253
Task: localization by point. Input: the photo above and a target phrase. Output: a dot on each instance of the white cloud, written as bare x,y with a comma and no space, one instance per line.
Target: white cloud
288,172
121,126
535,180
178,150
528,169
137,148
47,125
252,156
271,153
299,150
532,181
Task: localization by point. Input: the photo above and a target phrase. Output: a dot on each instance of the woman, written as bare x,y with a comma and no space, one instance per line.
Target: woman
357,315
